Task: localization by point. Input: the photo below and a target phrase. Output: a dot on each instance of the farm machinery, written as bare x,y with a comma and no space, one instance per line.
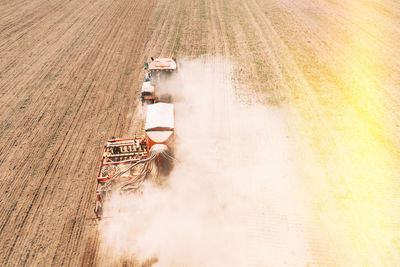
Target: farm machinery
128,163
119,165
158,70
148,93
161,65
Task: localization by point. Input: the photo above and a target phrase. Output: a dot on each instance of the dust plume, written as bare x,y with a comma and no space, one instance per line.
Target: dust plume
231,198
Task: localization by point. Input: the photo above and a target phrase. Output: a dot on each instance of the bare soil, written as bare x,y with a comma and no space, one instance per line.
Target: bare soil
70,73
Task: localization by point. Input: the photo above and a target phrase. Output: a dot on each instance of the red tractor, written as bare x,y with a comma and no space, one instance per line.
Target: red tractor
159,70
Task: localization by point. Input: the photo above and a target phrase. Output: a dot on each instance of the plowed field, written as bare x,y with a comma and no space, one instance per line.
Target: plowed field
70,73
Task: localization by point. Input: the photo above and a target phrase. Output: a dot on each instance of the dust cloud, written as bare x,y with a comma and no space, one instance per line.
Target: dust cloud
231,199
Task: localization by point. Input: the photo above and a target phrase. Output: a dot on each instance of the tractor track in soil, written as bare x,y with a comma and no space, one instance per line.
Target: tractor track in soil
70,73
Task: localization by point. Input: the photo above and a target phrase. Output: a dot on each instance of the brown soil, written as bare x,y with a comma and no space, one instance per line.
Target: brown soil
69,78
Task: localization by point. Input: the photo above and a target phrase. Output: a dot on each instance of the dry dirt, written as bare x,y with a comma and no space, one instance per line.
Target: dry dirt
69,78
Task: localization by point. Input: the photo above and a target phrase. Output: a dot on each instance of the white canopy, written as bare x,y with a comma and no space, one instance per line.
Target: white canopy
147,88
160,115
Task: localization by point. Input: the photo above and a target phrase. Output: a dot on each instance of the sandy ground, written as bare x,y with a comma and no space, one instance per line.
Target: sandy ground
69,78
